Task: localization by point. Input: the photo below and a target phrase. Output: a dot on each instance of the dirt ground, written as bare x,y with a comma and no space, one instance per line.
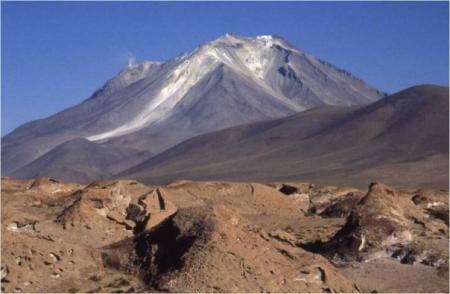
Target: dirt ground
123,236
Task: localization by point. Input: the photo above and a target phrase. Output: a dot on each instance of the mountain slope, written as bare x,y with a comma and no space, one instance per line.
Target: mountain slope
401,139
152,106
81,161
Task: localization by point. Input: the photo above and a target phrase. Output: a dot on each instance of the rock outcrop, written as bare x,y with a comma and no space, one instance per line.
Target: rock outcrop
123,236
376,222
389,223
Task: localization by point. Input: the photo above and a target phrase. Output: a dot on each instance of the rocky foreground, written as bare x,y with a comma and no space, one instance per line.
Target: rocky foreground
123,236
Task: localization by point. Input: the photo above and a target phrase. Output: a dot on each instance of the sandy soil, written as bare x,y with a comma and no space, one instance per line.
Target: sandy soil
123,236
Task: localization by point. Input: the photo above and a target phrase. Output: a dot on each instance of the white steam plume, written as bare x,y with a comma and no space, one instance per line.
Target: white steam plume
131,60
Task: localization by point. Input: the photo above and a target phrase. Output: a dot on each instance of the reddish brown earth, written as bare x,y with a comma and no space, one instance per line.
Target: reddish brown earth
401,140
123,236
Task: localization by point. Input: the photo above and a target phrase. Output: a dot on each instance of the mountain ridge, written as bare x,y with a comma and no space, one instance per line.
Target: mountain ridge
345,145
145,106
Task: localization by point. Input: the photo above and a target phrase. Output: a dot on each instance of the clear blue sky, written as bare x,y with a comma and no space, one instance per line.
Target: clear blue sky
54,55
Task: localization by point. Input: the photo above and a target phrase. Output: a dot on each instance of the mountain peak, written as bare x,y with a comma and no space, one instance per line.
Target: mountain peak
272,65
233,39
131,74
265,77
258,37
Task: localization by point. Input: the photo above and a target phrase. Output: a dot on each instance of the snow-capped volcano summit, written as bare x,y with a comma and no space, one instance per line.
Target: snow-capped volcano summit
151,106
267,61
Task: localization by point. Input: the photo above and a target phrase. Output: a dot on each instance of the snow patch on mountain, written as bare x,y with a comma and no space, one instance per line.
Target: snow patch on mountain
179,81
